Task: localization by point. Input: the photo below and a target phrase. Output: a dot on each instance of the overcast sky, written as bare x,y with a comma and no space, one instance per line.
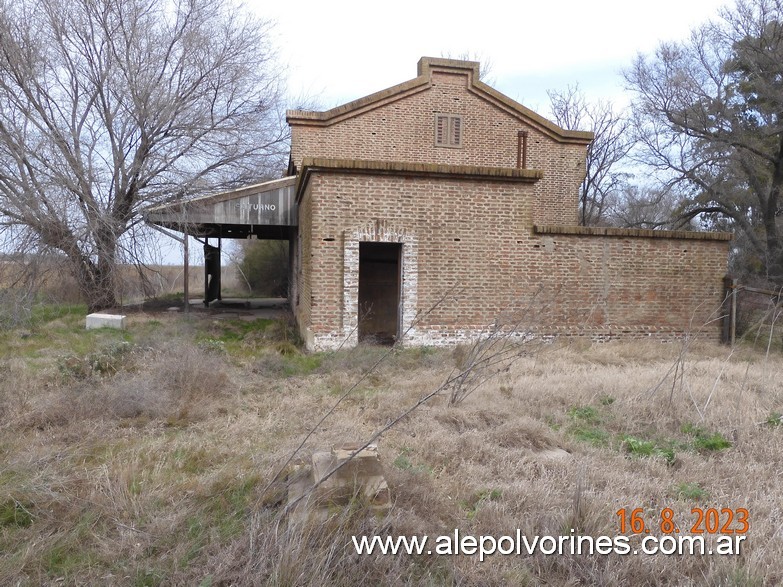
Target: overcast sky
337,51
342,50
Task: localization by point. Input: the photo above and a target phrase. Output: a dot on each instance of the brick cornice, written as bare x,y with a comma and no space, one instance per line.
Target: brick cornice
312,165
355,107
423,81
631,232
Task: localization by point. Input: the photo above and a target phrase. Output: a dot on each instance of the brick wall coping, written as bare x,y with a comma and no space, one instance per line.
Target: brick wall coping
422,82
362,166
631,232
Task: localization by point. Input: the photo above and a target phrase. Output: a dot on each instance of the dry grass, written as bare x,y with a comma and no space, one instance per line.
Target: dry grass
157,468
23,286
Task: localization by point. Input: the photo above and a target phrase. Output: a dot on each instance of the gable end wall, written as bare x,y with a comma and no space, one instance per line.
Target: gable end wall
402,129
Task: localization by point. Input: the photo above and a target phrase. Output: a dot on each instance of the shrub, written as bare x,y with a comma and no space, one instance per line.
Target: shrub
103,362
264,266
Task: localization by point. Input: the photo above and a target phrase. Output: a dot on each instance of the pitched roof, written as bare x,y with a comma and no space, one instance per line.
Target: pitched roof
423,81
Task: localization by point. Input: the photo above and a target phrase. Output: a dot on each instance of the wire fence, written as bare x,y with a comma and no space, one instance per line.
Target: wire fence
751,312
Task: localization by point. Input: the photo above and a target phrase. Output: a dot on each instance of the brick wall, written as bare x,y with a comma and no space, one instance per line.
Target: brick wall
303,255
471,257
481,245
400,127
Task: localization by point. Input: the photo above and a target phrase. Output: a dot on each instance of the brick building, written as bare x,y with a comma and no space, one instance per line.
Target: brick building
434,209
438,207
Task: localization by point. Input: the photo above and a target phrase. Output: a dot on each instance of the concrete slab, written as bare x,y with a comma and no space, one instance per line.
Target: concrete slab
105,321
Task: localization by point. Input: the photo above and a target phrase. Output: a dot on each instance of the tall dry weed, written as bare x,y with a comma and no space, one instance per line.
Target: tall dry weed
180,384
157,474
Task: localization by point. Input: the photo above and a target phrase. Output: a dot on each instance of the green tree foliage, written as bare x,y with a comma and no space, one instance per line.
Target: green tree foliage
264,265
709,114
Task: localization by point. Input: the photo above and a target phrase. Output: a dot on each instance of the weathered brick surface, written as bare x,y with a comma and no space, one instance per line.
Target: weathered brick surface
401,128
470,253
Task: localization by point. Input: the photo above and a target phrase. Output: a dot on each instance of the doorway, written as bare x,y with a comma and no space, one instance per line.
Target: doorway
379,292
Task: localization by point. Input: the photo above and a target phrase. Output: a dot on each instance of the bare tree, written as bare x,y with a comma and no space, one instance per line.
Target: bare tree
709,115
646,206
604,175
485,71
107,106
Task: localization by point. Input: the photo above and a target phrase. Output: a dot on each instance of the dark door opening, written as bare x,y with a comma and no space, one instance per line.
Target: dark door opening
379,292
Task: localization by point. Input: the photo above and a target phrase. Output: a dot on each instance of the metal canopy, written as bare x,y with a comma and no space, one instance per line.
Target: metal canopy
267,210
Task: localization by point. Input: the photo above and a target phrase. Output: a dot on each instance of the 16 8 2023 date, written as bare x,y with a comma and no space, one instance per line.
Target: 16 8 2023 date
702,521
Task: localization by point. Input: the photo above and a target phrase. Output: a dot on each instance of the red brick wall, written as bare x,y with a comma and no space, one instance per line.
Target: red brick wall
301,304
471,255
476,246
613,286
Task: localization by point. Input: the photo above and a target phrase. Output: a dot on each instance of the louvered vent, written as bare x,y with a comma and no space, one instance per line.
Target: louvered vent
448,130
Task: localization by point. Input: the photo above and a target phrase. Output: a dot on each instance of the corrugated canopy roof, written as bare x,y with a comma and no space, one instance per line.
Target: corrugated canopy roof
267,210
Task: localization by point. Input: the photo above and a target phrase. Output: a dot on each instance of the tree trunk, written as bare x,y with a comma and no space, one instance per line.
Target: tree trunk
96,280
97,285
770,220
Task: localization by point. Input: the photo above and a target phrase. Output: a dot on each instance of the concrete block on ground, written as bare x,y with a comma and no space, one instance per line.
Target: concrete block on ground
360,475
105,321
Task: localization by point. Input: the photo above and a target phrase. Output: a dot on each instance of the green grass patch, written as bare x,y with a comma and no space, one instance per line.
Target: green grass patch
590,434
72,553
192,461
647,448
221,516
68,314
477,499
54,329
15,514
552,422
237,330
691,491
774,419
275,364
711,442
59,336
585,425
246,338
584,414
404,463
704,441
301,364
65,560
148,578
228,503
